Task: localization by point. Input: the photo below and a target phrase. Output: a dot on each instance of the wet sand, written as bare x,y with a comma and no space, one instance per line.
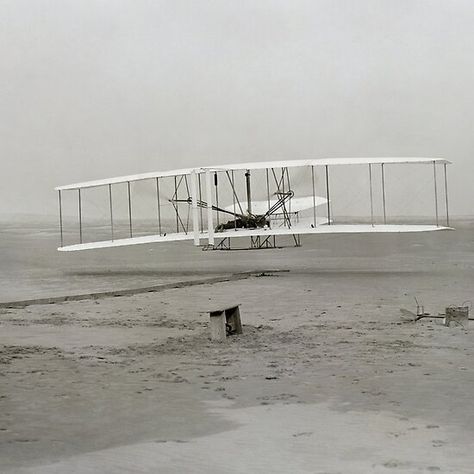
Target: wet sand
326,378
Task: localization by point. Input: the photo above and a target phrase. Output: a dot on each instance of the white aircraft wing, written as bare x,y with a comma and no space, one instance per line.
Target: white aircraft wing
332,229
148,239
278,231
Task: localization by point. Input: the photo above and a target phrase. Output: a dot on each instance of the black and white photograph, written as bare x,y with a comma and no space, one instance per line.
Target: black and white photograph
236,237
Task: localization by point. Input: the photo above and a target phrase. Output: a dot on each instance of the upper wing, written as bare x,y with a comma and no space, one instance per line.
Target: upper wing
330,162
255,165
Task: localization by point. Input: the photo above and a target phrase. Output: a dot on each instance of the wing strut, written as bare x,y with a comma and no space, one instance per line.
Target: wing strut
383,194
314,195
371,196
210,227
217,195
446,194
176,197
111,214
174,200
80,217
435,193
249,196
158,204
61,218
327,194
200,210
268,188
195,207
129,209
233,199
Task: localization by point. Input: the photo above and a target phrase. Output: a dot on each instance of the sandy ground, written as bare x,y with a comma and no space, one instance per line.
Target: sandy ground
326,378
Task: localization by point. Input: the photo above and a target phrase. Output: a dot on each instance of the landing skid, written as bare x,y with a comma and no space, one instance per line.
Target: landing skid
256,243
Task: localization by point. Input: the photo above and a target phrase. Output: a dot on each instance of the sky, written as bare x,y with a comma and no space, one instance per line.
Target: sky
98,88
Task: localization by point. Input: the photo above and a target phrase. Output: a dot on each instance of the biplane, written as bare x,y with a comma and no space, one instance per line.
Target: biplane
261,201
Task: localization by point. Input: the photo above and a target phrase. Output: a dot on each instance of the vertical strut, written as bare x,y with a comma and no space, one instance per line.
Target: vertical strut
200,199
249,194
195,207
129,209
233,199
158,203
435,192
176,206
282,182
446,194
217,195
383,195
289,189
371,196
268,188
314,195
61,218
210,227
80,217
111,213
327,195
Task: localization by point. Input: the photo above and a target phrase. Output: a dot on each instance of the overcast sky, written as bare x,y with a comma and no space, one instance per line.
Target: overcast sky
91,89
